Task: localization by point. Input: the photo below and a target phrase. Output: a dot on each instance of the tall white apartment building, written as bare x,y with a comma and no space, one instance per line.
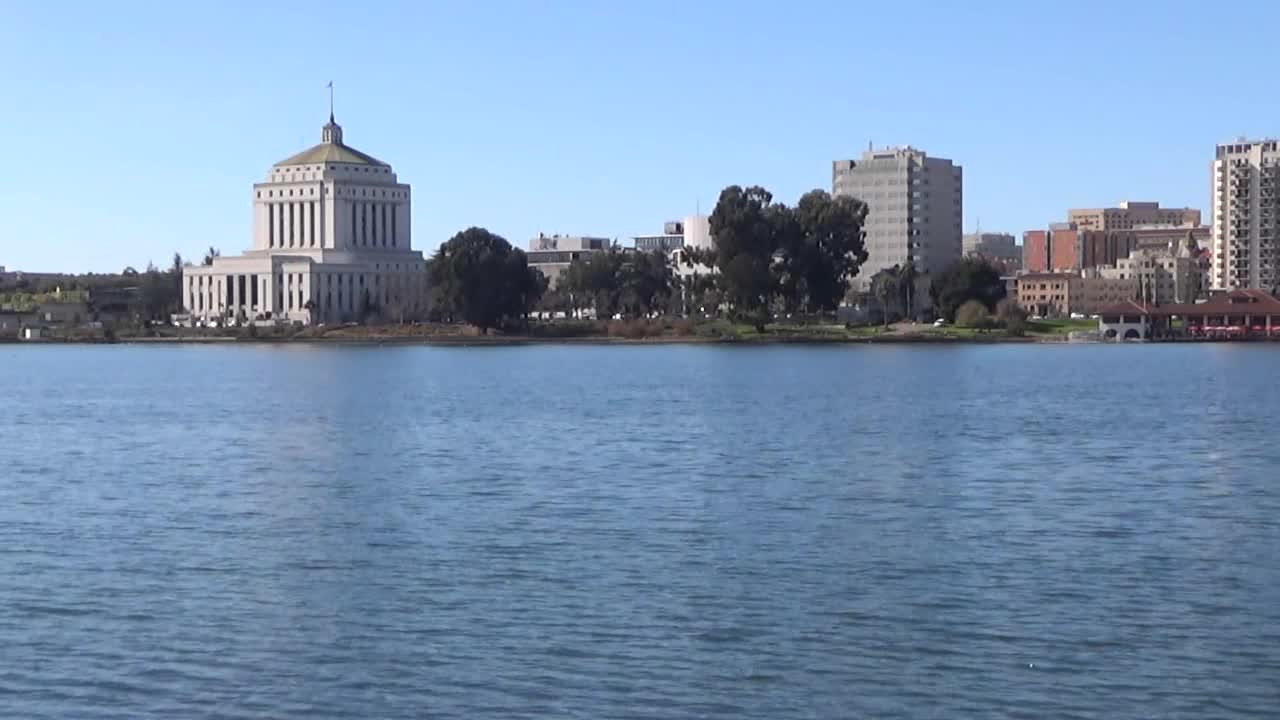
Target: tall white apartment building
914,208
1246,235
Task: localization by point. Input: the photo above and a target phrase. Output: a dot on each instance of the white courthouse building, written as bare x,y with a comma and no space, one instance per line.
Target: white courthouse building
331,243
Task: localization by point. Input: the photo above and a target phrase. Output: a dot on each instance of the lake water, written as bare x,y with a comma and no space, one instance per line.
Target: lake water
640,532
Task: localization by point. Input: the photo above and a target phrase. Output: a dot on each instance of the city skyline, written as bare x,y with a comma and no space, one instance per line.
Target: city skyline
578,119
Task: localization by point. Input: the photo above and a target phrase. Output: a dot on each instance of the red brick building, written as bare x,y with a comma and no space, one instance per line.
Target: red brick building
1064,247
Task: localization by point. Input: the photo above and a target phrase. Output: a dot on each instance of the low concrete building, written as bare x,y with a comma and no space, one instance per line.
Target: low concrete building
693,231
551,255
672,237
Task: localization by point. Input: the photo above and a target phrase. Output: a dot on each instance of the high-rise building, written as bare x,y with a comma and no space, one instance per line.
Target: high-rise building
914,208
1246,238
1131,215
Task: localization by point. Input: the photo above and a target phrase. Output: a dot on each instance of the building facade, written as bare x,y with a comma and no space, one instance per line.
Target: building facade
693,231
1130,215
1064,247
1246,215
1046,294
1162,276
551,255
1170,237
672,237
993,246
1062,294
914,208
331,242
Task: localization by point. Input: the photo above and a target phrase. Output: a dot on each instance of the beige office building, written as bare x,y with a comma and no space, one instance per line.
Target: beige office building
1132,215
1246,216
915,208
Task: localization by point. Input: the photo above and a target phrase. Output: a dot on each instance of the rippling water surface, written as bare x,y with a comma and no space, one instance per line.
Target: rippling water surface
640,532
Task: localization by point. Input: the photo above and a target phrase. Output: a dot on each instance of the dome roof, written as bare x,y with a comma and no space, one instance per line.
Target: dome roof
331,150
328,152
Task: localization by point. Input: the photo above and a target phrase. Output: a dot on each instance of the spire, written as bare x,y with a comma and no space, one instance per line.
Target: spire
332,132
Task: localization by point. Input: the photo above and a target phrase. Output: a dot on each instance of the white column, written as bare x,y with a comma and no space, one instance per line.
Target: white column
279,224
305,209
325,228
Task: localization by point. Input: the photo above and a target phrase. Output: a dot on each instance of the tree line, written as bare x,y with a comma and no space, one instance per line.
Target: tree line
768,258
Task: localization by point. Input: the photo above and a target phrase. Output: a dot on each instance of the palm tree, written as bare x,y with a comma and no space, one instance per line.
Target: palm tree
886,289
906,279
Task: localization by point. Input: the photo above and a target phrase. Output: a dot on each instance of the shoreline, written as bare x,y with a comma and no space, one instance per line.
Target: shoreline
514,340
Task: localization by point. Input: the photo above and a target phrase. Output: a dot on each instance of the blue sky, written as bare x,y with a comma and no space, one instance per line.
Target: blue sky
133,130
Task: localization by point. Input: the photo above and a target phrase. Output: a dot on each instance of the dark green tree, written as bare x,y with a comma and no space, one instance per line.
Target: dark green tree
746,238
821,240
966,279
479,278
634,284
